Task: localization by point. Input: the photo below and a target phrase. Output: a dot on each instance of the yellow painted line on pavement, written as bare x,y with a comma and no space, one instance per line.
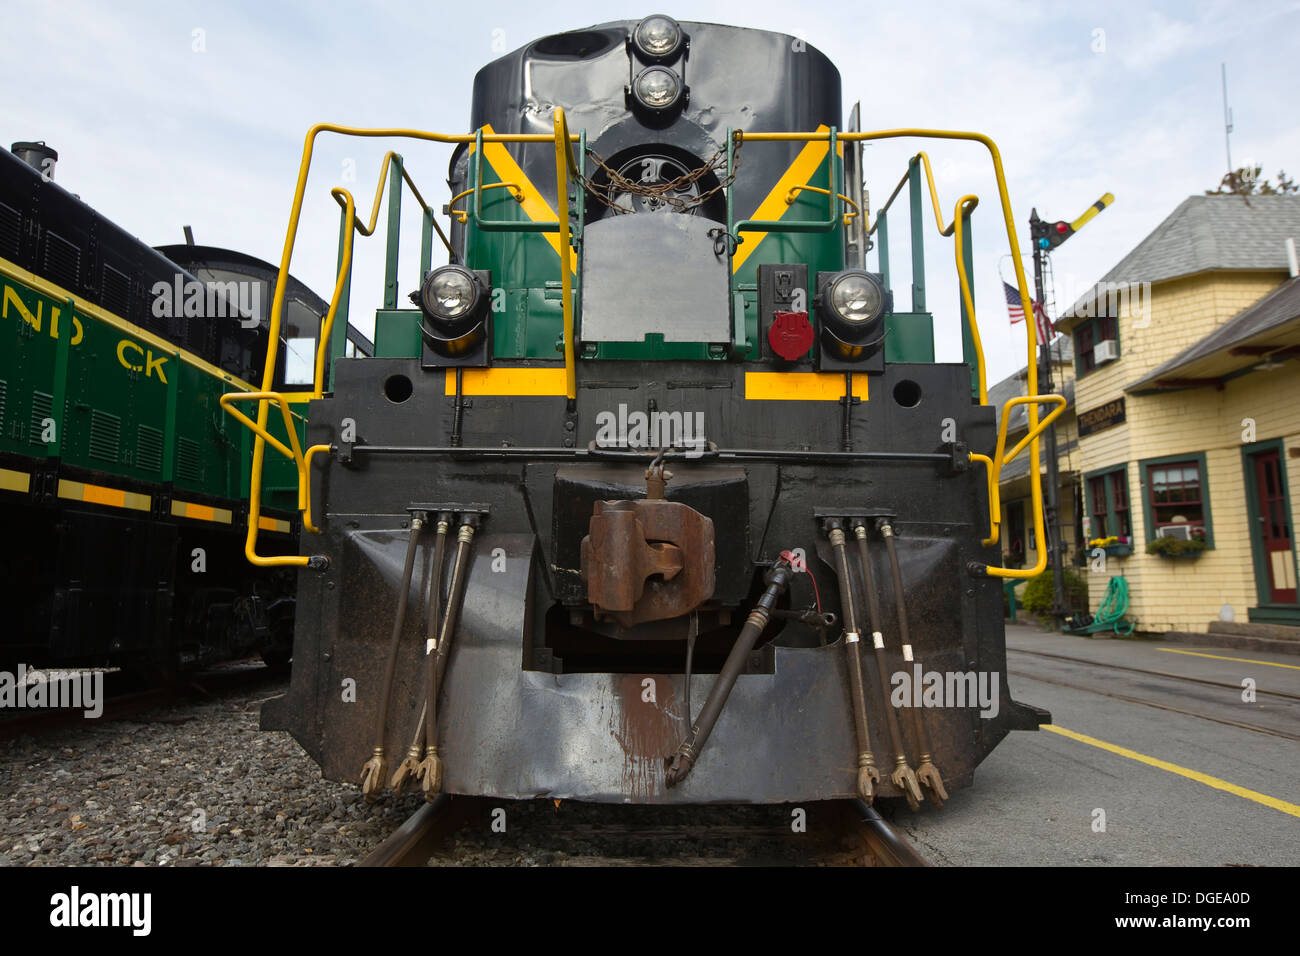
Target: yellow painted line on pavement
1243,792
1217,657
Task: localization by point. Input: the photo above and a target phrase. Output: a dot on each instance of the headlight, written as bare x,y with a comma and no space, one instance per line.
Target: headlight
857,298
657,37
657,88
449,293
852,306
454,301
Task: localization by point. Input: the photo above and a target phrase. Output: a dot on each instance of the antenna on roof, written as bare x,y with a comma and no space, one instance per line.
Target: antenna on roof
1227,116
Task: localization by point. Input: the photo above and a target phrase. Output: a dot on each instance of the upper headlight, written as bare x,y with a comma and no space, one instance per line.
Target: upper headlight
449,293
657,37
657,88
857,298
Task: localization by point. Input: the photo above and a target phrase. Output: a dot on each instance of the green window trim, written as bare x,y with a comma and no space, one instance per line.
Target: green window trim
1109,474
1088,333
1148,514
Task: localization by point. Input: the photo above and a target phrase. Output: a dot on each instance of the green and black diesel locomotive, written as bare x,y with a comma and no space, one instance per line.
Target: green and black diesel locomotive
122,482
654,493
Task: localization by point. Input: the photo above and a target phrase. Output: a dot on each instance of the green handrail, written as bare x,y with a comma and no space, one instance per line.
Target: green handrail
836,186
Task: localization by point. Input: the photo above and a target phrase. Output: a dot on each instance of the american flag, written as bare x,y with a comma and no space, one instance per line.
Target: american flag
1016,310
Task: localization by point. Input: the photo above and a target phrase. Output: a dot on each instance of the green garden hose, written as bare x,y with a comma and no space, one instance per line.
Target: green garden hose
1113,605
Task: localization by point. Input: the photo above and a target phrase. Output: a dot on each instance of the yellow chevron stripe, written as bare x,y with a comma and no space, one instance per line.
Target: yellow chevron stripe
508,381
799,173
15,480
801,386
535,207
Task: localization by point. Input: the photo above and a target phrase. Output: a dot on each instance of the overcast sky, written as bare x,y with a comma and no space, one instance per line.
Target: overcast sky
175,113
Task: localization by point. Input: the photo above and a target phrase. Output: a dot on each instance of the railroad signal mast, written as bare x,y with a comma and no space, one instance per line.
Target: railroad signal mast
1046,236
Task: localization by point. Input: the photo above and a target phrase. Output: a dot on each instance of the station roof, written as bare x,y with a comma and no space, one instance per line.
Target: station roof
1262,333
1207,234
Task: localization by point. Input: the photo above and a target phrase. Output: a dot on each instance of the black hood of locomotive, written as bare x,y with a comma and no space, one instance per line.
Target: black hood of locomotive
738,78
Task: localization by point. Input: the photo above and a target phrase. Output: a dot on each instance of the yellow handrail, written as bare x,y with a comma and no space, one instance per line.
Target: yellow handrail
227,401
995,502
848,216
277,300
1035,484
1034,431
564,165
304,488
462,215
965,206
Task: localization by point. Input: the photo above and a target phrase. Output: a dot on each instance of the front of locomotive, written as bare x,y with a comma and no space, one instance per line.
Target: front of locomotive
730,458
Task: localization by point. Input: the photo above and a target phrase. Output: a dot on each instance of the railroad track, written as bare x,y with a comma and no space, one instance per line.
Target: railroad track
1147,702
122,700
1151,673
458,830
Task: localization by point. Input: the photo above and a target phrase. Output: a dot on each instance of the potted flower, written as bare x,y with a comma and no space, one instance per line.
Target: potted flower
1116,546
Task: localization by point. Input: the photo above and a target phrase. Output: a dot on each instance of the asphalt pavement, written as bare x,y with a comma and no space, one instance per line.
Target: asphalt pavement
1181,772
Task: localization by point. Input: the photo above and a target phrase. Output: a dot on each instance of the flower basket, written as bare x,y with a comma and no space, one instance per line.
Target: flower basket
1177,547
1115,546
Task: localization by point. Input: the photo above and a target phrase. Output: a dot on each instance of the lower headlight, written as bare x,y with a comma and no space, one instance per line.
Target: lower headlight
657,88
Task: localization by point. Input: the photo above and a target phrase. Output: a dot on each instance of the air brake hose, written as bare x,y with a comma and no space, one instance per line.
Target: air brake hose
375,770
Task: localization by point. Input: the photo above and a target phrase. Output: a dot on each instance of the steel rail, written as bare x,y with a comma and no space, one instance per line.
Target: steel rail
412,843
1150,673
883,840
1150,703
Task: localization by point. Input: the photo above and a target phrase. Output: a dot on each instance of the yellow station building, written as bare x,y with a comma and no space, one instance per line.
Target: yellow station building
1185,434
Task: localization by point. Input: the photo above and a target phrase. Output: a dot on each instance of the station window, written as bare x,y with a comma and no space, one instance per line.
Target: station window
1108,503
1086,336
1177,497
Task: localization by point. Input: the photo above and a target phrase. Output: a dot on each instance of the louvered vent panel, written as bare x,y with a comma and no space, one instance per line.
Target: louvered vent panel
105,436
62,261
117,291
149,449
11,226
42,402
189,464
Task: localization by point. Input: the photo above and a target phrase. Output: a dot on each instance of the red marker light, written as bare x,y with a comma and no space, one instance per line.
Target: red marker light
790,335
